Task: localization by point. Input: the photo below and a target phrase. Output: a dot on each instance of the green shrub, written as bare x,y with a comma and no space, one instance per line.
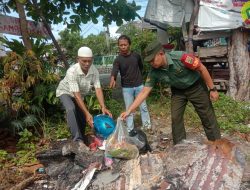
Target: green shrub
26,148
3,157
115,107
28,81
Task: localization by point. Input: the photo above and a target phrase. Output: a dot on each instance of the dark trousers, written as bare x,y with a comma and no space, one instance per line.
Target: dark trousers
198,95
75,118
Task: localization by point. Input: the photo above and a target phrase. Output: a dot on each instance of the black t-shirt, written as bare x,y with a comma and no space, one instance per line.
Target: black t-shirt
130,68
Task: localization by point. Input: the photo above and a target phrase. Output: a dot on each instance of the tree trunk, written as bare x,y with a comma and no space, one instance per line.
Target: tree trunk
62,56
191,26
184,33
40,14
23,25
239,65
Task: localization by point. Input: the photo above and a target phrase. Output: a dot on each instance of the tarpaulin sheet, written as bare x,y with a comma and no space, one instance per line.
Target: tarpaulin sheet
220,14
213,14
167,12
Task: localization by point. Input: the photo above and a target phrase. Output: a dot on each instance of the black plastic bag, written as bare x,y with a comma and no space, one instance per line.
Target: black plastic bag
139,138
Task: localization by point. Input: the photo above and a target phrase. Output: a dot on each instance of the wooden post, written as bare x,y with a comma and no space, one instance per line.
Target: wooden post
185,34
191,25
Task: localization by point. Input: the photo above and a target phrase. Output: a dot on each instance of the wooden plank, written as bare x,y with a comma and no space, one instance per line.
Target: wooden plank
218,51
219,73
211,35
221,84
214,60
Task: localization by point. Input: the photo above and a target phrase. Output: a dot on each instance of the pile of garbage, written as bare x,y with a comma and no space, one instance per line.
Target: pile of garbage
123,160
108,149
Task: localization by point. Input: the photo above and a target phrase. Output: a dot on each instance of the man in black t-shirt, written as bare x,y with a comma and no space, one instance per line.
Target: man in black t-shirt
130,66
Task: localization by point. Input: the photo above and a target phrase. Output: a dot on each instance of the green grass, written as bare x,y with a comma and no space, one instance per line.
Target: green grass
232,116
55,129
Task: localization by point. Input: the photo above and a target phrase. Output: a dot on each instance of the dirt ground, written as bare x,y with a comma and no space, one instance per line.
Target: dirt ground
159,138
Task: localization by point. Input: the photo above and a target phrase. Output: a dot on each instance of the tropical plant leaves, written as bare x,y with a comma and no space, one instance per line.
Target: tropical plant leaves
30,120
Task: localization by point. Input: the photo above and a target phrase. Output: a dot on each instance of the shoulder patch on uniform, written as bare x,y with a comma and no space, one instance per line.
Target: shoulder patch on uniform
190,61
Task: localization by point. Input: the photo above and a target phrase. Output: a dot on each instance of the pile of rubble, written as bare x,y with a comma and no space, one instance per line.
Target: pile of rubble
189,165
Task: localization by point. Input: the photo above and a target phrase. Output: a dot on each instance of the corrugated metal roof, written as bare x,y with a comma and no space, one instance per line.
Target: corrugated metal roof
140,24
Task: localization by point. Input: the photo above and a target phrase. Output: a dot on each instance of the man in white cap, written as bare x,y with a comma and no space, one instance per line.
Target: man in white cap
79,80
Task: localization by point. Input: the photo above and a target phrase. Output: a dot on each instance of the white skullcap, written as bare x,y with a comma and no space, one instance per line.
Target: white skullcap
85,52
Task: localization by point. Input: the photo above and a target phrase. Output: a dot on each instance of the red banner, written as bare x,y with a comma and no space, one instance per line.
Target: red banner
11,25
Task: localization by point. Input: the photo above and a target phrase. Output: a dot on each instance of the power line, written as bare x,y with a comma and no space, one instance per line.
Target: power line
87,28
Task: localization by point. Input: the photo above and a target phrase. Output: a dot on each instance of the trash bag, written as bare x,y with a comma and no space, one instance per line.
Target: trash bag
118,145
139,138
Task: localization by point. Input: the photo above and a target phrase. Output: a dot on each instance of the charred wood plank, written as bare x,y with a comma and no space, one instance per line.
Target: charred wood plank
27,182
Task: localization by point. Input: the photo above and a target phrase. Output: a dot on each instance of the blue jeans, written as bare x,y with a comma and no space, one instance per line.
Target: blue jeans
129,94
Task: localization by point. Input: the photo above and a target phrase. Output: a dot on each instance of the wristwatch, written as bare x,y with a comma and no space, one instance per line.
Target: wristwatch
213,89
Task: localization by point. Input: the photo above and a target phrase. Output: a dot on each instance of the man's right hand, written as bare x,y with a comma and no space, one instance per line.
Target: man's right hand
112,83
89,120
214,95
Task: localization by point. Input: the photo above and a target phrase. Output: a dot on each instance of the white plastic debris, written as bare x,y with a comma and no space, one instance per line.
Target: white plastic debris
103,145
84,182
